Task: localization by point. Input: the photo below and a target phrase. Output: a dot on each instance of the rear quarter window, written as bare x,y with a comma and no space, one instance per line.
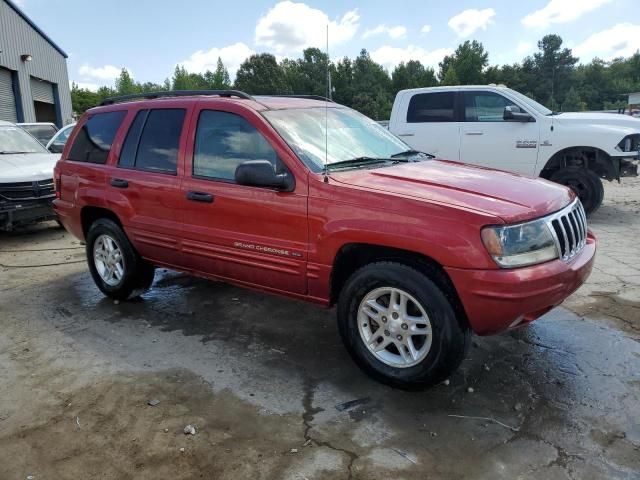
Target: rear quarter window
431,107
93,142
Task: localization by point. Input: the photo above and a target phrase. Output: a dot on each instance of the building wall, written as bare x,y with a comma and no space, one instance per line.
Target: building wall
18,38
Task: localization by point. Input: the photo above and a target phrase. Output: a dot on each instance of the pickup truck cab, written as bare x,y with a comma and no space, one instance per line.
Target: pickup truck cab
497,127
309,199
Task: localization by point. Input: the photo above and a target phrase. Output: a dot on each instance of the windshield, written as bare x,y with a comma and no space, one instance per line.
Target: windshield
15,140
538,107
350,135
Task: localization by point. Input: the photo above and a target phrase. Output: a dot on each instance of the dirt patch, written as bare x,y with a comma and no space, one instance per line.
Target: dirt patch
624,313
106,429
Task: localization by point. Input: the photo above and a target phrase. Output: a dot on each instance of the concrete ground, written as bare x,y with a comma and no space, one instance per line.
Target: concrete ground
260,378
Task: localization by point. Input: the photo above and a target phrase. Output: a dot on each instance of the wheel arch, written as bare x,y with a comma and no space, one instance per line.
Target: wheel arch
89,214
592,158
353,256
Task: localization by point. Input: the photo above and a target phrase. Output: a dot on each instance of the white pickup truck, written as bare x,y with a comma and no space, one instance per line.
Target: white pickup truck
497,127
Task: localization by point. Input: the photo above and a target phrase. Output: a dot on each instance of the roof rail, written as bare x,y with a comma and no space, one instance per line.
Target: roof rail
308,97
176,93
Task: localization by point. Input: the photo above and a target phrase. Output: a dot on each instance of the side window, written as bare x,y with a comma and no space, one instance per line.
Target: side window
485,106
431,107
153,140
93,141
225,140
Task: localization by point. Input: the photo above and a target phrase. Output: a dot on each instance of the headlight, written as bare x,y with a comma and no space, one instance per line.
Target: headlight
520,245
630,143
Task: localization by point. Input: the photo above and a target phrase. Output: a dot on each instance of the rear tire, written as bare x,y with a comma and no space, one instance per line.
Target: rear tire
586,184
117,269
410,347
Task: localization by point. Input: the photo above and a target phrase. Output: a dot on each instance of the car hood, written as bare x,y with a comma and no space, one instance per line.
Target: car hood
616,119
27,167
511,197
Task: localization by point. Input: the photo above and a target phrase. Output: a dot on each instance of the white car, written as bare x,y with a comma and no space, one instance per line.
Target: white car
26,178
497,127
59,140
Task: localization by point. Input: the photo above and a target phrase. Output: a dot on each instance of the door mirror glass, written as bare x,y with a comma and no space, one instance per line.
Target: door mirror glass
514,114
260,173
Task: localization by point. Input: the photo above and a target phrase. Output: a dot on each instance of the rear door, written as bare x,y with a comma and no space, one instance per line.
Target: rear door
144,183
252,235
431,124
488,140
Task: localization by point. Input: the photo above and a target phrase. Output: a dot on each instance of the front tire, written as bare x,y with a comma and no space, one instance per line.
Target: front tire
586,184
117,269
399,327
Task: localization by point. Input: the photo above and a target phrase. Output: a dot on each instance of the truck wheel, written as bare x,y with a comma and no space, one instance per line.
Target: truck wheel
116,268
585,183
399,327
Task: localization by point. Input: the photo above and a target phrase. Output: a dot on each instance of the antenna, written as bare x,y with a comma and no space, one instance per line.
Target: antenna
326,115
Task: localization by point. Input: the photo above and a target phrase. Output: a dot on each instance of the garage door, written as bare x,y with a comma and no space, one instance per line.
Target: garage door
7,100
41,91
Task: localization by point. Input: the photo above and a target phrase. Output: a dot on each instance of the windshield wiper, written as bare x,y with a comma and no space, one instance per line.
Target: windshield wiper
358,162
411,152
8,152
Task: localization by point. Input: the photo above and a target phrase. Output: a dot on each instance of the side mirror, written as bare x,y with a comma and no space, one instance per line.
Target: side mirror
260,173
513,114
56,147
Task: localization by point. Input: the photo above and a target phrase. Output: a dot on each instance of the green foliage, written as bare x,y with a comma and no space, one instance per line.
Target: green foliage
451,77
551,76
469,61
573,102
412,75
261,75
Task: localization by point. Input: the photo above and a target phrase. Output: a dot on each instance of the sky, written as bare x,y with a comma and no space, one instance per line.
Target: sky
150,37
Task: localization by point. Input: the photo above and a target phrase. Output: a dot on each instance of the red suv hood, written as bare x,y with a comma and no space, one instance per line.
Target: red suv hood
512,197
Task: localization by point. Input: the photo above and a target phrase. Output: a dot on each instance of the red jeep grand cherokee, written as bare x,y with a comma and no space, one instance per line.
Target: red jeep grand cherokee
416,252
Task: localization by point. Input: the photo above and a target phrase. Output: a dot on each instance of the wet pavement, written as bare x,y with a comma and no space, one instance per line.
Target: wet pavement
261,378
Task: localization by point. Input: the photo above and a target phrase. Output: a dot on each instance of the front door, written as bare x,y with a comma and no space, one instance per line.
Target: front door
488,140
251,235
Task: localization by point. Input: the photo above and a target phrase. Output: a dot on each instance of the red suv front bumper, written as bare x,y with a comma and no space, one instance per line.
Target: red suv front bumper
496,300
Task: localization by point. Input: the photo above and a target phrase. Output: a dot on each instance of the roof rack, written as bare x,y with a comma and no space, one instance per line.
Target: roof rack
176,93
308,97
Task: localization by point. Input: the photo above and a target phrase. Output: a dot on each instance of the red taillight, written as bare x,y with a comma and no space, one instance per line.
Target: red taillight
57,185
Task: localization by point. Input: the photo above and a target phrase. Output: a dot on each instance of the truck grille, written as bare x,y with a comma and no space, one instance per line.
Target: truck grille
27,191
569,229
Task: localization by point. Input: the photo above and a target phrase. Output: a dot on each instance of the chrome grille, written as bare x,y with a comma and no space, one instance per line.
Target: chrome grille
569,229
21,191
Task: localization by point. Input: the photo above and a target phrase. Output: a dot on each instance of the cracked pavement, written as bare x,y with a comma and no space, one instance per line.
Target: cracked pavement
260,377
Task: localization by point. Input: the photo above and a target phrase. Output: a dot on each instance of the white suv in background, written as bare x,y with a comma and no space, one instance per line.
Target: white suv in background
497,127
26,178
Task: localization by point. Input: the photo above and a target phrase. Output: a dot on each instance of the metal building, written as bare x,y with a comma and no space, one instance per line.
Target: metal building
34,83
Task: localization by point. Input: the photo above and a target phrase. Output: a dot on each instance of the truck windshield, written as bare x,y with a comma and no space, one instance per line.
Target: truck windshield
350,135
15,140
538,107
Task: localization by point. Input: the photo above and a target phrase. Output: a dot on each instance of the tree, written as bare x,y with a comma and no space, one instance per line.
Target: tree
125,85
218,80
83,99
260,74
469,61
307,75
371,87
342,81
412,75
553,68
183,80
451,77
572,102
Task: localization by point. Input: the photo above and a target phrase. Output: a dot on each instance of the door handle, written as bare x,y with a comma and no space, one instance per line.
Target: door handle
473,132
200,197
119,183
406,134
